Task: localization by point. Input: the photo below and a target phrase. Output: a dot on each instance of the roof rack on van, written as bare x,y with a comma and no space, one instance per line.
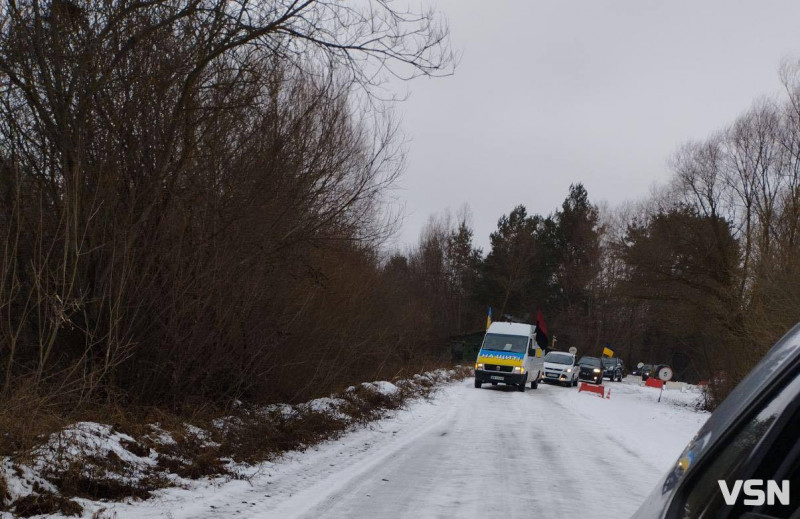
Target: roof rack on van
511,319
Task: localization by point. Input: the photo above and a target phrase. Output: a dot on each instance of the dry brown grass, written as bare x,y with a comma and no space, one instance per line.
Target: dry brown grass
190,457
96,478
46,503
25,418
252,436
5,497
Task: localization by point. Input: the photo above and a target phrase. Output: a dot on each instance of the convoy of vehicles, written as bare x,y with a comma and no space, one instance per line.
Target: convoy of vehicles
751,437
561,367
509,355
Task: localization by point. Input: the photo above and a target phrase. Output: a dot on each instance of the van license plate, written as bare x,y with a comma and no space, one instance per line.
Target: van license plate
497,378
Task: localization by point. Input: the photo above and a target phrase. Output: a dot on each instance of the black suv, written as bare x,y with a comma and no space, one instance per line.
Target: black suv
613,369
591,369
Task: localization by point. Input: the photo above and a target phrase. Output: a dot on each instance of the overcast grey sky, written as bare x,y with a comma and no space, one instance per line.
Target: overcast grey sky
553,92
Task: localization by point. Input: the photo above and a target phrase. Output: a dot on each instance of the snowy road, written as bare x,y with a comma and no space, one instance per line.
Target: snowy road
467,453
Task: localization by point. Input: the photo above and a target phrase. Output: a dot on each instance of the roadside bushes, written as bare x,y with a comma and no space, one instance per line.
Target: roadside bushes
192,197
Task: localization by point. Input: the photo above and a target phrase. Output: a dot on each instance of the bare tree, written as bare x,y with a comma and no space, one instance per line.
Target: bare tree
171,170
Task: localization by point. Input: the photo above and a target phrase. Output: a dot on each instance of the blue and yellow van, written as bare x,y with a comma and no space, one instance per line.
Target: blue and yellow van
509,355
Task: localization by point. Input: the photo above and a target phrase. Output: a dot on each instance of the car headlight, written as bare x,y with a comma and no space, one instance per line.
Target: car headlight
569,370
519,369
596,370
479,365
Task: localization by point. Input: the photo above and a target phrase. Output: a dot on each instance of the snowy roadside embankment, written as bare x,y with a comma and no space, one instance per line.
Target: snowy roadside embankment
85,468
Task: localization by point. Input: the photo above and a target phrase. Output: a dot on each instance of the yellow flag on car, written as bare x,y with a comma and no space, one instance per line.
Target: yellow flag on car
607,352
489,318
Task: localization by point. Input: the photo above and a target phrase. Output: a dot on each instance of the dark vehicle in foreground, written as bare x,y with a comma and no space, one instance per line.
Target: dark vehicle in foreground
613,369
750,446
590,369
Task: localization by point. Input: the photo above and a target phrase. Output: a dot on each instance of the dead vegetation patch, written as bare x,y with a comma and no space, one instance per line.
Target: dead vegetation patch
46,503
191,457
365,404
100,479
5,496
135,447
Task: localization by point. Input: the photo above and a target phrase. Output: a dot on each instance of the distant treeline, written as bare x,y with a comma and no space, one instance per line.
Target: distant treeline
703,275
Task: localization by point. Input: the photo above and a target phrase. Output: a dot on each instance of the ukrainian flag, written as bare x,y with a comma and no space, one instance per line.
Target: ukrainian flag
607,352
489,318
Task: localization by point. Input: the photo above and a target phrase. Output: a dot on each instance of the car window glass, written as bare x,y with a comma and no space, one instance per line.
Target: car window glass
779,461
703,495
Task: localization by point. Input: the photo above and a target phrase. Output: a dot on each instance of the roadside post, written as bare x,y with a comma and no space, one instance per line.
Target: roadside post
665,375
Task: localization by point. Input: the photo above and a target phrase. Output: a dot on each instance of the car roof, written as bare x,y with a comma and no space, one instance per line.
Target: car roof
511,329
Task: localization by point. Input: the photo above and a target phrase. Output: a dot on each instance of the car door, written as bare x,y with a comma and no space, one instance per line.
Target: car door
530,360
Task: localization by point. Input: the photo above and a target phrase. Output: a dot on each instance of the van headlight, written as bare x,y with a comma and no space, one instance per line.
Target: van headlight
478,365
569,370
596,370
519,369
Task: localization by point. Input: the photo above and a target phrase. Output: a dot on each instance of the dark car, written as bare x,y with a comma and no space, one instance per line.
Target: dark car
753,436
591,369
646,371
612,369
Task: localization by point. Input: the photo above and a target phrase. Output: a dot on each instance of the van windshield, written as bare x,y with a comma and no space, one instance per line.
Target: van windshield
500,342
559,358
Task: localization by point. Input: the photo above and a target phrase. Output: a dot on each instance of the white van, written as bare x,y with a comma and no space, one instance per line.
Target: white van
509,355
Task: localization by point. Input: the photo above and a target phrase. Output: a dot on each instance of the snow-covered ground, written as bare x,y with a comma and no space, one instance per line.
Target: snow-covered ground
466,453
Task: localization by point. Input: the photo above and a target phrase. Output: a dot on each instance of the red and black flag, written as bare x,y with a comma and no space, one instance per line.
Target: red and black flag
542,337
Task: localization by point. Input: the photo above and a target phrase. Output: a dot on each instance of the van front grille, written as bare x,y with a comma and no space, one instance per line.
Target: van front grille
495,367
